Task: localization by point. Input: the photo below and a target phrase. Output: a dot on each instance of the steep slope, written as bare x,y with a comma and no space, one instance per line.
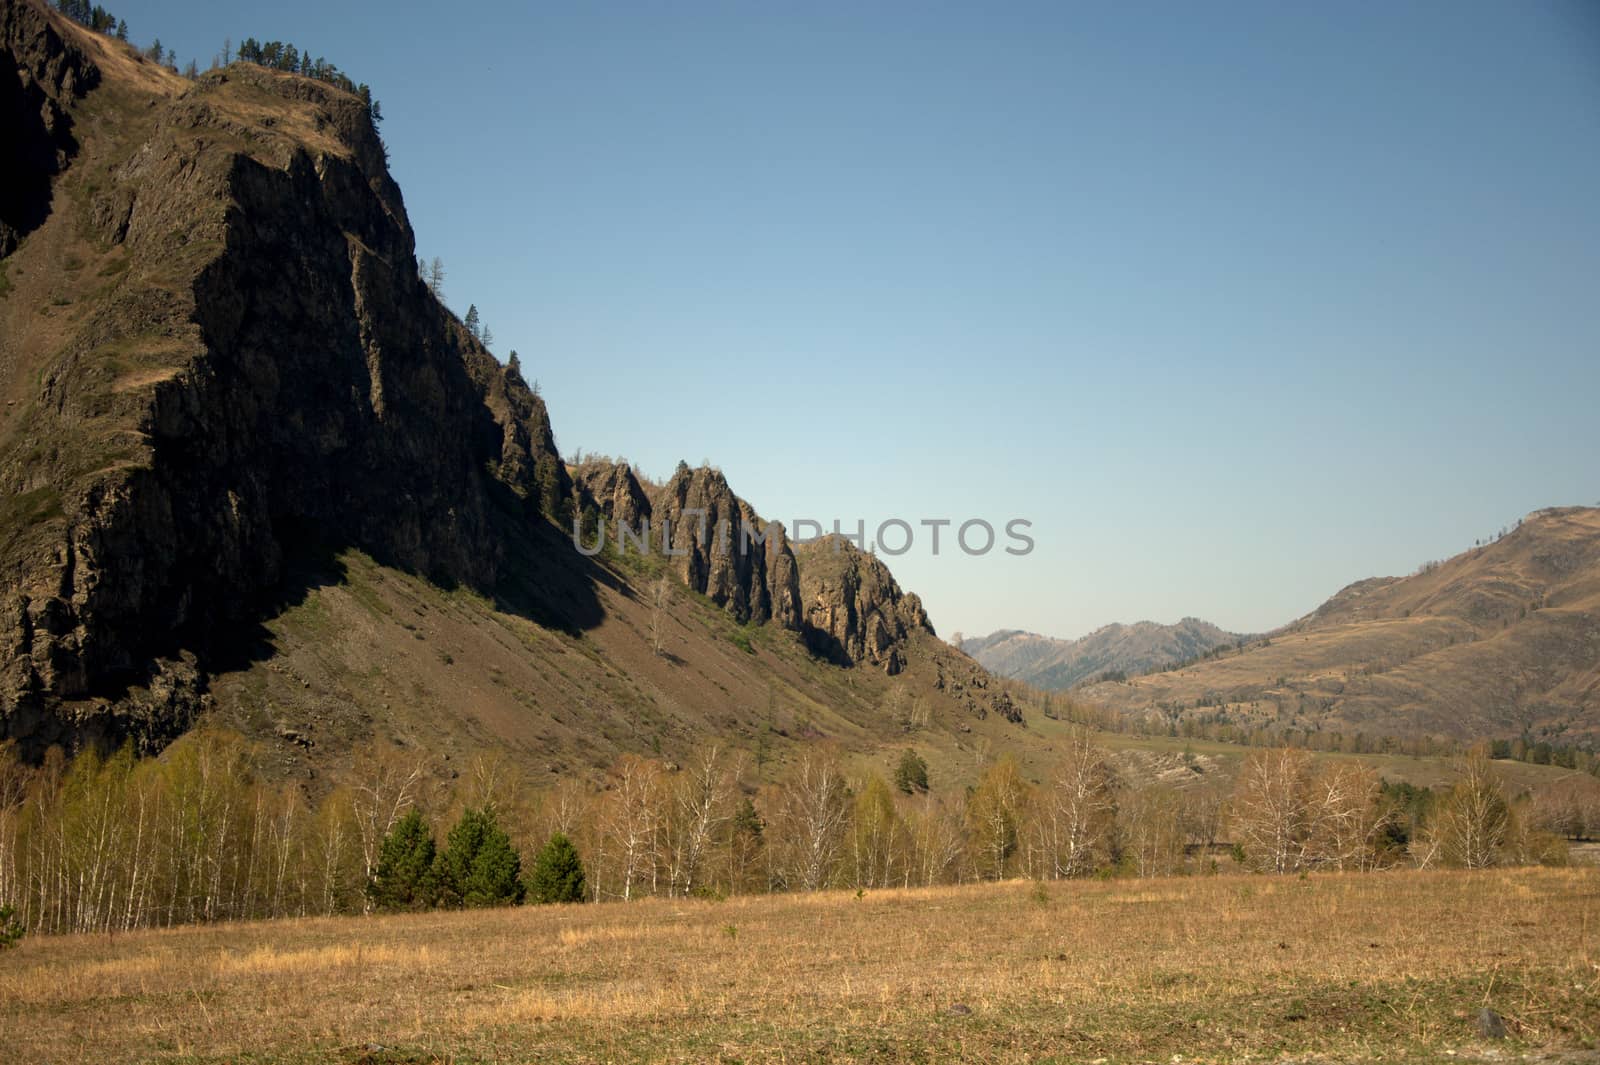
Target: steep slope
1115,649
234,351
1498,641
252,468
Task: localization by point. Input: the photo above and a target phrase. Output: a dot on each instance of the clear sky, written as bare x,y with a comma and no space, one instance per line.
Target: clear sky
1236,302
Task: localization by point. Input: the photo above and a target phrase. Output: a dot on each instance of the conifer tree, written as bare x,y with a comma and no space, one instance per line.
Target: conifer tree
471,321
557,874
479,866
912,773
404,877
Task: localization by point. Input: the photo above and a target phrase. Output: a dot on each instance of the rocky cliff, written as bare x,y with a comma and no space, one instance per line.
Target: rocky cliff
854,610
240,359
223,380
755,582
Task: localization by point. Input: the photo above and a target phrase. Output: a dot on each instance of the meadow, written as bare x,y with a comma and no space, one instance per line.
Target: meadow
1392,966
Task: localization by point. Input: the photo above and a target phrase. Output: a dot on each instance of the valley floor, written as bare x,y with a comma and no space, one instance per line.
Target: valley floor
1392,966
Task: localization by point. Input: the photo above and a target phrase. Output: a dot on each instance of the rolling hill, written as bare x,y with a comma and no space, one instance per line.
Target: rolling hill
1500,641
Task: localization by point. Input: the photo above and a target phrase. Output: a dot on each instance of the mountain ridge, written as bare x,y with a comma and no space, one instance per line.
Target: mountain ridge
234,411
1499,641
1117,648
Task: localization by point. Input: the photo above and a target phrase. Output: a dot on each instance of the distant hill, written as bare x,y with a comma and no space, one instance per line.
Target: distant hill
1115,649
1500,641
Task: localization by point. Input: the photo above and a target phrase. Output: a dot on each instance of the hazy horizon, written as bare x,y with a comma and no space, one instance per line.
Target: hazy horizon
1236,304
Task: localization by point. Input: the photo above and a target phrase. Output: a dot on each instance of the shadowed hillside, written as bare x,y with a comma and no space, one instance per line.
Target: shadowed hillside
254,471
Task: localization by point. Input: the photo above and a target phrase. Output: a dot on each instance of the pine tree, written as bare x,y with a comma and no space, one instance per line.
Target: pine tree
11,927
557,873
122,30
912,773
472,321
404,877
479,866
487,337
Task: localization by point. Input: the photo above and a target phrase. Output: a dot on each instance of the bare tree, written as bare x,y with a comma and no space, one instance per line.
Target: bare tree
632,820
1471,823
1152,830
1344,817
702,803
933,829
813,811
1077,808
1270,808
384,787
660,602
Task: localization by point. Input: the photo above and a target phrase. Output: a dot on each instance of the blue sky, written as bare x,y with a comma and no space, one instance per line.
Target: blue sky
1236,302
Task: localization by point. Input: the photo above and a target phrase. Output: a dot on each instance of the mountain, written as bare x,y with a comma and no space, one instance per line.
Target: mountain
1115,649
254,471
1500,641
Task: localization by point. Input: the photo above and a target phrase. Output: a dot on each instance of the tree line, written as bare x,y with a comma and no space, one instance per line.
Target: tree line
95,17
281,55
275,55
102,844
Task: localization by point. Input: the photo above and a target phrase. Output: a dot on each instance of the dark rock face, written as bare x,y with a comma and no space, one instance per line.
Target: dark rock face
40,75
252,377
854,610
706,523
610,491
279,374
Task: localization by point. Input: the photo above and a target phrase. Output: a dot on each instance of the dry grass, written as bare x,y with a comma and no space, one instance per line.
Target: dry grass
1391,966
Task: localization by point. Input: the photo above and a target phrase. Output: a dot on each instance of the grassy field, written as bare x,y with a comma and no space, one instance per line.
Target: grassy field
1353,968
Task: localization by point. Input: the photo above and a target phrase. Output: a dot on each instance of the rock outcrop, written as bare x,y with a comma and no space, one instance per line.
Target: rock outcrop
264,371
610,491
707,524
220,371
853,609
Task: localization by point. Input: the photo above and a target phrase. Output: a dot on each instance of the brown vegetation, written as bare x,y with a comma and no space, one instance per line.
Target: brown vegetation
1391,967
